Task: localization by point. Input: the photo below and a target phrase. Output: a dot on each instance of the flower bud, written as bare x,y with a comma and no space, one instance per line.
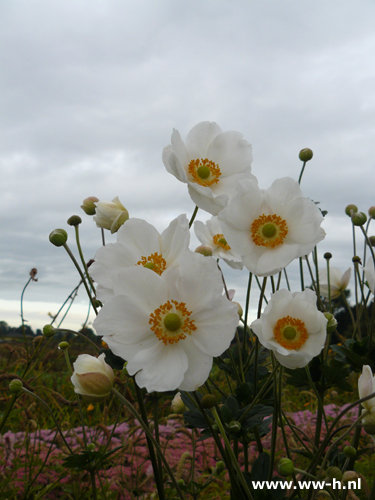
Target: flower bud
239,309
15,386
97,303
91,447
235,426
305,154
331,322
220,466
180,482
371,212
178,406
351,209
359,218
110,215
372,240
89,205
74,220
356,259
285,467
350,451
208,401
327,255
48,331
58,237
350,475
368,423
63,345
92,378
334,473
204,250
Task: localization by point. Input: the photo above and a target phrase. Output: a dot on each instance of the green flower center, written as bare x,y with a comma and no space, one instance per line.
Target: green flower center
269,230
172,322
149,265
203,172
289,333
223,241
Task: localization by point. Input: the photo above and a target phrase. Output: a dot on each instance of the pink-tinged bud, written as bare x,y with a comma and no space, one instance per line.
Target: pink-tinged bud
204,250
89,205
92,378
111,214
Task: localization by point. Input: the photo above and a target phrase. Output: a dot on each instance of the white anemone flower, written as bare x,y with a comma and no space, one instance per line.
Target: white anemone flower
169,327
110,214
92,378
269,228
338,281
211,234
140,244
370,274
366,386
211,162
292,327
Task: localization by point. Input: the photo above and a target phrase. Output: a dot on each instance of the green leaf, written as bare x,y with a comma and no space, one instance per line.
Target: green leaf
261,467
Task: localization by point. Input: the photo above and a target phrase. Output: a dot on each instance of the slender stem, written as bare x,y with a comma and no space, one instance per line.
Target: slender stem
103,237
7,411
93,483
301,173
22,319
82,258
301,274
193,216
276,398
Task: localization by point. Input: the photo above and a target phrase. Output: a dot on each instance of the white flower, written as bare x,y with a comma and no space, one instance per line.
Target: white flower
366,386
292,327
269,228
110,214
338,281
178,406
211,162
169,327
140,244
211,234
370,274
92,378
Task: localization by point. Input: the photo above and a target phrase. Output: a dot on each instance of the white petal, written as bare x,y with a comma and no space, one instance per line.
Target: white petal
199,138
139,237
231,152
205,199
200,365
175,239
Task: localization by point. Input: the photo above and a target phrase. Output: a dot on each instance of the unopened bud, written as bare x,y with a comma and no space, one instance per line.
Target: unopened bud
372,240
359,218
180,482
91,447
234,426
351,209
356,259
220,466
97,303
15,386
350,451
204,250
208,401
350,475
89,205
327,255
178,406
285,467
331,322
48,331
371,212
305,154
239,309
74,220
58,237
334,473
63,345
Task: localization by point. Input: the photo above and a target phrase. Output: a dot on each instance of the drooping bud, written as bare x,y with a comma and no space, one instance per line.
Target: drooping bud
58,237
178,406
208,401
74,220
204,250
331,322
351,209
350,451
359,218
356,259
111,214
334,473
89,205
15,386
48,331
305,154
285,467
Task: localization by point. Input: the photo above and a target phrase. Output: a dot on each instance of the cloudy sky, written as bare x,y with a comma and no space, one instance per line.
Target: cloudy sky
91,90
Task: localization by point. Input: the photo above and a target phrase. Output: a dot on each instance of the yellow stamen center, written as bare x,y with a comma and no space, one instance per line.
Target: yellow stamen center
220,241
269,230
171,322
204,172
290,333
155,262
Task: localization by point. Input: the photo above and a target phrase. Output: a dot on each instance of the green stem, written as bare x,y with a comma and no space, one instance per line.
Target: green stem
93,483
7,411
193,216
22,319
82,258
301,173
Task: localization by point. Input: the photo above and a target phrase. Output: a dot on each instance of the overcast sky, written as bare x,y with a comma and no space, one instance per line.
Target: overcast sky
91,90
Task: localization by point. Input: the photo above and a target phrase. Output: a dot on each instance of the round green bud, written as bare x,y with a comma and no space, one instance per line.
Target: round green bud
89,206
327,255
235,426
220,466
208,401
356,259
91,447
372,240
285,467
359,218
74,220
334,472
369,427
48,331
215,427
180,482
97,303
305,154
58,237
350,451
227,361
63,345
351,209
204,250
15,386
331,322
371,212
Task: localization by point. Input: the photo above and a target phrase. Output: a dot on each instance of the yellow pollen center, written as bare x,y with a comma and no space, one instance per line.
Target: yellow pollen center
204,172
269,230
171,322
290,333
155,262
220,241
